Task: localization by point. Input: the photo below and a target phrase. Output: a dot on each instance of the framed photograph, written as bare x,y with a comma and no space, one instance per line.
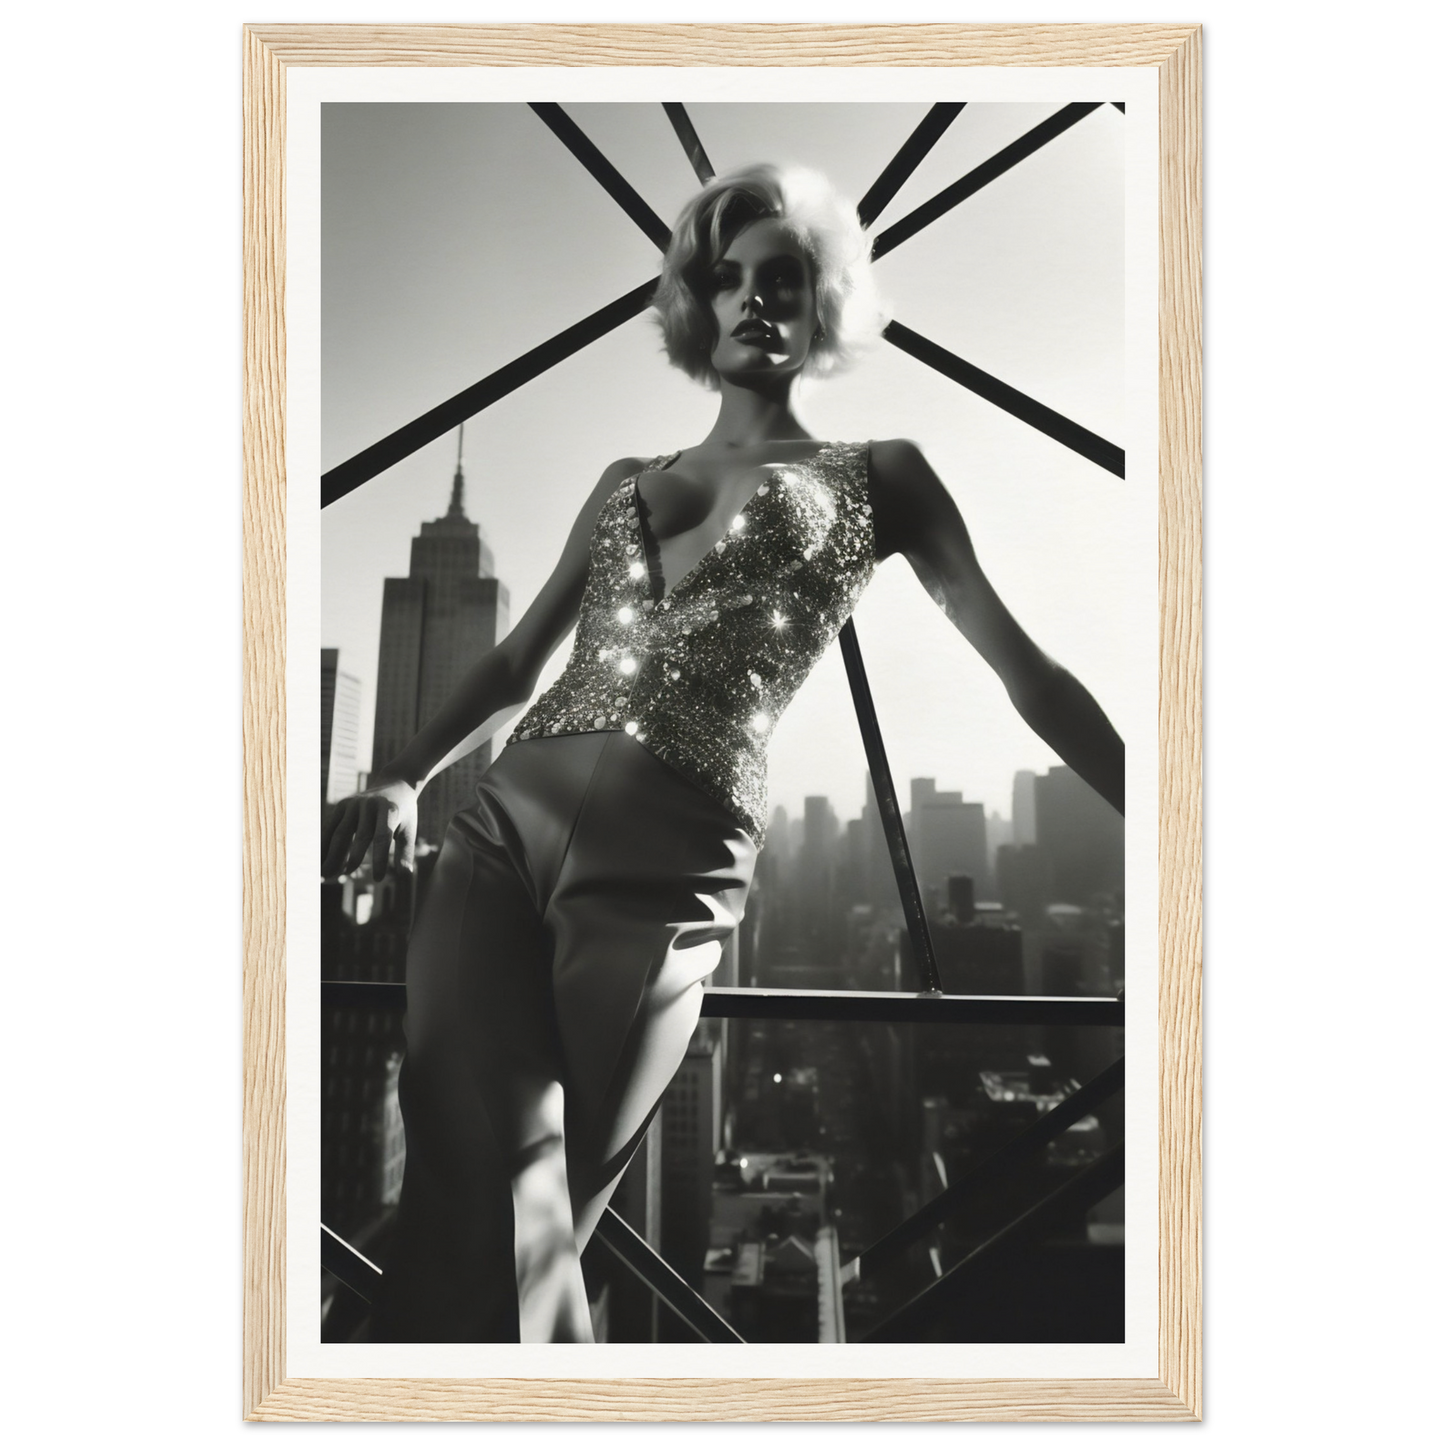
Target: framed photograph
744,486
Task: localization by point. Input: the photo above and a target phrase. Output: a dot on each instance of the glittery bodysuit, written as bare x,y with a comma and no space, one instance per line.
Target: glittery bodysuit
700,676
556,965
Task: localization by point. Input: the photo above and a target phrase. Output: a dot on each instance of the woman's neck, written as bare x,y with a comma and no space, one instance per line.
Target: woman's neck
749,418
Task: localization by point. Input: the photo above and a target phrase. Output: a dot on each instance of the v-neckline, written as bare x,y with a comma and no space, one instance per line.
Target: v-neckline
644,525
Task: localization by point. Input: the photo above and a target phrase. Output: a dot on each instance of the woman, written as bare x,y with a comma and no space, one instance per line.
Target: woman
557,963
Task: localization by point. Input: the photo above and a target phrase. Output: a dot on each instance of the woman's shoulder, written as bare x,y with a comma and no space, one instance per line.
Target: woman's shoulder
614,477
903,490
624,468
895,460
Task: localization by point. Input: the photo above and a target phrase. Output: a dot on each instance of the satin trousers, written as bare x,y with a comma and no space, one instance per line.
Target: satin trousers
554,978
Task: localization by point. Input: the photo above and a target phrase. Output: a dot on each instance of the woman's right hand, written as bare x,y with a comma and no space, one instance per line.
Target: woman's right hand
381,817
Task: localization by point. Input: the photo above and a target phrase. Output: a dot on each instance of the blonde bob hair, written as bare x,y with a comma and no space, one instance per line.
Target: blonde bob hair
851,314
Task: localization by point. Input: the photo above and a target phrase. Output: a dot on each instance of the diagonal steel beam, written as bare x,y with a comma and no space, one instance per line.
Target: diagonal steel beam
910,154
349,1265
944,1206
664,1281
603,171
1082,1191
350,474
980,176
1042,418
886,795
696,155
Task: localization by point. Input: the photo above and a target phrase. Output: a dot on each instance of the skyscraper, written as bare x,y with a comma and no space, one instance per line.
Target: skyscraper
1082,836
691,1136
881,887
435,623
947,836
1025,827
340,727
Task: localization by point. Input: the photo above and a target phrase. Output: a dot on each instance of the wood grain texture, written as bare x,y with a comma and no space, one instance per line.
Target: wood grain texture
1176,1395
1181,670
722,44
908,1400
263,722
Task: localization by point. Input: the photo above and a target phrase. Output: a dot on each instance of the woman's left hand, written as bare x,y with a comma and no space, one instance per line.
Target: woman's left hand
382,817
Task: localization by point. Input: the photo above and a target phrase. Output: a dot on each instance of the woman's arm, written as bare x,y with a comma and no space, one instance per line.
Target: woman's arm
491,693
915,515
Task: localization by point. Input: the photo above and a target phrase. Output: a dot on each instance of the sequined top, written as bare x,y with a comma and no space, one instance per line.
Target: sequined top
700,676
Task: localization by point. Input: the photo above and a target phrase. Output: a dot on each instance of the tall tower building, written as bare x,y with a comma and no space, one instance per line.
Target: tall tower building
691,1136
815,861
947,836
340,727
435,623
881,888
1025,818
1082,836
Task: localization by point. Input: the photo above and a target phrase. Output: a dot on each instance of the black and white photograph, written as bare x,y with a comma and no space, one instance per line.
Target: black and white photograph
737,607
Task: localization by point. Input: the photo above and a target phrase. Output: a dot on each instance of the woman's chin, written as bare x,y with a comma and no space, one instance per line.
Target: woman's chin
762,367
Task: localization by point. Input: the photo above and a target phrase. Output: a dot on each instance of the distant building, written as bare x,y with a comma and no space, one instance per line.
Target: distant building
880,887
1000,832
1082,836
691,1138
1025,881
362,1146
814,873
772,1263
340,728
1025,816
979,957
946,835
435,623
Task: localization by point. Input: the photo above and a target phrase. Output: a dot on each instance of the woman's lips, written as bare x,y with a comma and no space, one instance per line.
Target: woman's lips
751,334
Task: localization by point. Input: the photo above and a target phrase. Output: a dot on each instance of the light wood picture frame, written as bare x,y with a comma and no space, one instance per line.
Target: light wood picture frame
268,1392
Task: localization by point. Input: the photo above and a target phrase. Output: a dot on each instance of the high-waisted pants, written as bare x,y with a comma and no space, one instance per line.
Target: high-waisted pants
554,979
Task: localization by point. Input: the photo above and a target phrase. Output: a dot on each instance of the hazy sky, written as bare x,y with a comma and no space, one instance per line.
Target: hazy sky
455,237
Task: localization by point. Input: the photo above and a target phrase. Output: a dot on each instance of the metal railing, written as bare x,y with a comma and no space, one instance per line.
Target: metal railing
1090,1184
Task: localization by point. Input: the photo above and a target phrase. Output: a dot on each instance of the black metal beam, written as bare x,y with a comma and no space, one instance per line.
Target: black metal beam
980,176
696,155
862,1006
1042,418
1081,1192
349,1265
603,171
958,1194
844,1006
664,1281
350,474
910,154
887,799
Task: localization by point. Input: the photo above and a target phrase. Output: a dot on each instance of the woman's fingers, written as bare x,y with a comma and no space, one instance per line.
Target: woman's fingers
406,846
336,837
361,840
380,843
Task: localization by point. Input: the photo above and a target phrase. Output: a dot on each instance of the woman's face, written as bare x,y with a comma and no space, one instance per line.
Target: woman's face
763,304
